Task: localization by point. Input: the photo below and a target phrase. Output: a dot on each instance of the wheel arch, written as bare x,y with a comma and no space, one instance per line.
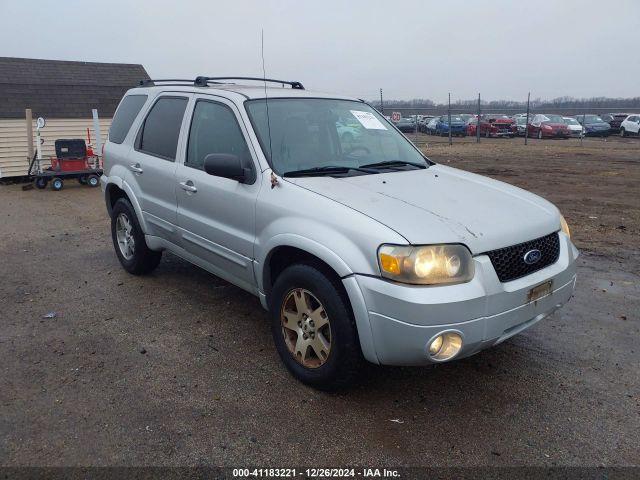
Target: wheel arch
115,189
302,250
296,249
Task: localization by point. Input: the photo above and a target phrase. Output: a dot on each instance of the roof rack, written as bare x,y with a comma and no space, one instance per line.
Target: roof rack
149,81
205,81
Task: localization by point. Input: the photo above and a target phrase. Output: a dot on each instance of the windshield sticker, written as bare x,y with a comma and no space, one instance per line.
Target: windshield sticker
368,120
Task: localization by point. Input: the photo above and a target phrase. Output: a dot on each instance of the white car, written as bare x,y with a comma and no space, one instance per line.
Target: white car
575,128
630,125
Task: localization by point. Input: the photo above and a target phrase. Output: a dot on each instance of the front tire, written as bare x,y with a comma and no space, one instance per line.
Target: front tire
622,132
313,327
128,240
93,181
57,184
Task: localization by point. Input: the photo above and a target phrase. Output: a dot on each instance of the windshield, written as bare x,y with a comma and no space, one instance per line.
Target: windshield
554,119
521,120
571,121
591,118
308,133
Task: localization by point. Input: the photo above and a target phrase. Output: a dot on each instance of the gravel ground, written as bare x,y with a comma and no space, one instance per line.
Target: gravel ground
178,368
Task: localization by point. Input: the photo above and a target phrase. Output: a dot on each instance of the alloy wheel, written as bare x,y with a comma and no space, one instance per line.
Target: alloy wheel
124,235
305,328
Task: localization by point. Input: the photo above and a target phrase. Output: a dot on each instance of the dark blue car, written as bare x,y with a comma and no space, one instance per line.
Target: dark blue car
594,126
440,126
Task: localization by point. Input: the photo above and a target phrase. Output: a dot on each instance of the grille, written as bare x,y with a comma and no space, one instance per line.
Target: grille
509,261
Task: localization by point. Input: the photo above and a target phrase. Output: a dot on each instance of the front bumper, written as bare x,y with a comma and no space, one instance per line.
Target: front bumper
485,312
556,134
597,133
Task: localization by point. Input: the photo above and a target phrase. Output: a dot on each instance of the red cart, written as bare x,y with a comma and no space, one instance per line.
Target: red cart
72,160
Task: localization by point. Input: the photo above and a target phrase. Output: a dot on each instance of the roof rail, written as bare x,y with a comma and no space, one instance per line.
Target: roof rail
205,81
150,81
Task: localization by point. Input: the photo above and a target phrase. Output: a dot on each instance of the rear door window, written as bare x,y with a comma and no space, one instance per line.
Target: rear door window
161,129
125,115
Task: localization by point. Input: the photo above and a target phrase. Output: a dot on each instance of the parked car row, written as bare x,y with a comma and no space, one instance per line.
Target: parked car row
540,125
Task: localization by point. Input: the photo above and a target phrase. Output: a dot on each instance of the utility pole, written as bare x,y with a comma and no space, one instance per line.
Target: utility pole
478,122
449,113
381,104
526,125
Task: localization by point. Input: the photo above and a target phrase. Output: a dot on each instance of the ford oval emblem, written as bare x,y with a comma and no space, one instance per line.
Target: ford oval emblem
532,256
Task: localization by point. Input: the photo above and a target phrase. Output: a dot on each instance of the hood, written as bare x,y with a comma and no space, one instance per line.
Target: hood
597,125
503,121
443,205
556,125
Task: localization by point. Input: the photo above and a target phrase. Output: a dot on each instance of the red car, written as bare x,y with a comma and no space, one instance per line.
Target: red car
548,126
497,125
472,125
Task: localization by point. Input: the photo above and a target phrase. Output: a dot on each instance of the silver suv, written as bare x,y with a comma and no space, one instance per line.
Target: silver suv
359,246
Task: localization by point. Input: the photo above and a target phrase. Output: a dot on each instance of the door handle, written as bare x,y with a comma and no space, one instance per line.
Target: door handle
188,186
135,168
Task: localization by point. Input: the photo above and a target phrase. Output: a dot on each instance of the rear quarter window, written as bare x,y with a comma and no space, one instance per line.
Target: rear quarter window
125,115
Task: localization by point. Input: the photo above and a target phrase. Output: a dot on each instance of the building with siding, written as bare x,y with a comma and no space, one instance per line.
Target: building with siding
64,93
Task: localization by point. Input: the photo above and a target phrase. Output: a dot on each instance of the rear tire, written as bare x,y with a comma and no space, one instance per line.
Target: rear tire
139,260
344,361
41,183
82,179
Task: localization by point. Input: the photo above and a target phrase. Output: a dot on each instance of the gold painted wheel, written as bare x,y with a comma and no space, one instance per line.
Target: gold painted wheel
306,328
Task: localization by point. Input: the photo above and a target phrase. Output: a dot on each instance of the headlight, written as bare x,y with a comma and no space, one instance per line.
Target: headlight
427,265
564,226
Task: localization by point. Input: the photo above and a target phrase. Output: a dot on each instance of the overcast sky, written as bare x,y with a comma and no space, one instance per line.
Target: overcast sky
411,49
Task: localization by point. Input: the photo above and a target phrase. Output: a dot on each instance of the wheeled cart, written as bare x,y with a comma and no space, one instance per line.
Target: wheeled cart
71,161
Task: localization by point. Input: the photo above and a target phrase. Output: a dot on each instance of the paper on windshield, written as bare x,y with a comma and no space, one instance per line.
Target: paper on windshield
368,120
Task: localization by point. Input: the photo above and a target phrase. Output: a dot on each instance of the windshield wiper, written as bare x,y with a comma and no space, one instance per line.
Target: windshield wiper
325,170
392,163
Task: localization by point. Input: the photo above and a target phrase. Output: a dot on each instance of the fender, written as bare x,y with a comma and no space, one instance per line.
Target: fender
303,243
343,270
120,183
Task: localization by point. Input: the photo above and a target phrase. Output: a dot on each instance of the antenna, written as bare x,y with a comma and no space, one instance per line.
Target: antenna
274,181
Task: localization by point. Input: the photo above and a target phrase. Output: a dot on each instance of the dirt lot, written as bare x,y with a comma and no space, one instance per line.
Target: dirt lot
178,368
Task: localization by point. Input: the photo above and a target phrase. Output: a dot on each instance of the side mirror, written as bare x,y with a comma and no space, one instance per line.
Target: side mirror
225,165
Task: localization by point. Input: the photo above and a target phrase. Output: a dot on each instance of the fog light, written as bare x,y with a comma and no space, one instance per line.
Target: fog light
436,345
445,346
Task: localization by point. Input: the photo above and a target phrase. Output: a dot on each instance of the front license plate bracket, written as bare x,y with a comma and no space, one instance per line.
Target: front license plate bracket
540,291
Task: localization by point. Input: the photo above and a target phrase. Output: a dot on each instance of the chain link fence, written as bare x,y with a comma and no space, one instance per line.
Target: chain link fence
478,114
